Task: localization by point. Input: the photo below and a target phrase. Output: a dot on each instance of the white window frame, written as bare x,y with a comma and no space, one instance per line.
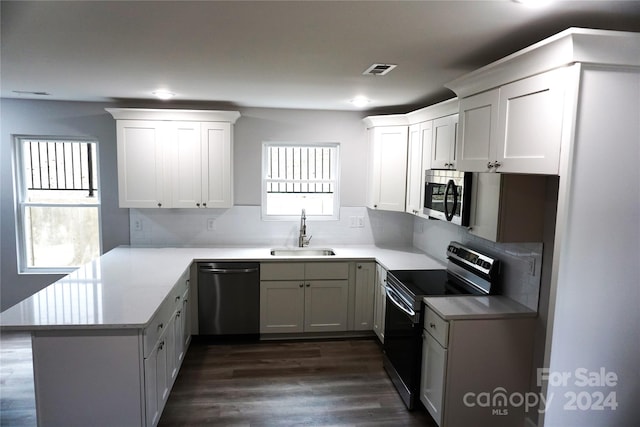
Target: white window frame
21,203
335,146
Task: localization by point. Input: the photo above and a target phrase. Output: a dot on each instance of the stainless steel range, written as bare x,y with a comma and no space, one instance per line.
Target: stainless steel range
468,273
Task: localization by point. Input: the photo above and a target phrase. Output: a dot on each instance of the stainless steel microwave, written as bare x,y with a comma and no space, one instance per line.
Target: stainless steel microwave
447,195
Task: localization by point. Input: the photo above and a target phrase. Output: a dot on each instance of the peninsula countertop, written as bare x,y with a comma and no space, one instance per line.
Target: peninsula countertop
124,287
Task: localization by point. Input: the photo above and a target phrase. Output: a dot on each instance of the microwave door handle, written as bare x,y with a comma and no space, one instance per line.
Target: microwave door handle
451,186
396,301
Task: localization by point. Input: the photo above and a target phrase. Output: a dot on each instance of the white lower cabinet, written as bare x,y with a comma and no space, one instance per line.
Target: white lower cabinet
363,307
466,359
298,297
304,297
167,337
111,377
379,302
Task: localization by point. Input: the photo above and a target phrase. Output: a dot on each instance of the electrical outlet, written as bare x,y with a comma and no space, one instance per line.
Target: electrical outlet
532,266
353,221
137,225
360,221
211,224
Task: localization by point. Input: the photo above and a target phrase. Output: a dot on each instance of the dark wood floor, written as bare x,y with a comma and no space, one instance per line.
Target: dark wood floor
301,383
17,398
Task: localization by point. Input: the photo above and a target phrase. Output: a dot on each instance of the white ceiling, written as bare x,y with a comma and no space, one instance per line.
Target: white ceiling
281,54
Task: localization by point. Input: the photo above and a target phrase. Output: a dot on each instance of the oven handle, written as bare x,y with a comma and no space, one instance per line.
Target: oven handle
395,299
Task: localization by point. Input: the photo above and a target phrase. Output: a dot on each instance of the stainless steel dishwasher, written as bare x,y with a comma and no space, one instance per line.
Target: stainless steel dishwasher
229,299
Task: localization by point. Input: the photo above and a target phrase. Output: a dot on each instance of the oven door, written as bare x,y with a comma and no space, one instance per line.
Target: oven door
402,346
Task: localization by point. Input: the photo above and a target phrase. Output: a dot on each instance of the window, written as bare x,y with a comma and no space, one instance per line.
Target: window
58,204
297,177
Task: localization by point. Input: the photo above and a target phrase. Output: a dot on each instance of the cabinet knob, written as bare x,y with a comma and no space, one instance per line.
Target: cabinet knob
160,326
432,325
308,284
489,165
497,164
375,206
359,266
159,204
301,285
198,204
178,298
204,204
161,346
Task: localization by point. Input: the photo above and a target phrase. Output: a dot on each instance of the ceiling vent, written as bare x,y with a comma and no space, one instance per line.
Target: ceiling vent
379,69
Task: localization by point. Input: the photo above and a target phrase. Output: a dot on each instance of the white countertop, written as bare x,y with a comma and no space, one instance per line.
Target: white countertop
477,307
124,287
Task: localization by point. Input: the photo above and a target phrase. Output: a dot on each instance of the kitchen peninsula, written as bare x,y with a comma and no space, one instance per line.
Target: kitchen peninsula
111,336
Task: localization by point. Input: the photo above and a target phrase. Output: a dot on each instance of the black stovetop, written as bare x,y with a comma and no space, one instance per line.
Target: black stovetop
421,283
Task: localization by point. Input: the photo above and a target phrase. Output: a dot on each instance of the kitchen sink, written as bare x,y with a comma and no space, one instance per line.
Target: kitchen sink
302,252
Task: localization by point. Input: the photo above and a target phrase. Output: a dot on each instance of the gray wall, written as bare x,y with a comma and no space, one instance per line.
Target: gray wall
49,118
52,118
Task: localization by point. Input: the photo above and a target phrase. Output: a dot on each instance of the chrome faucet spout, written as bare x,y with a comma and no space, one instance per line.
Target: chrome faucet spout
303,240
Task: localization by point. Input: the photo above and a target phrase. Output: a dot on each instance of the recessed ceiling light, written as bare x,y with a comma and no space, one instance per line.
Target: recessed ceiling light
163,94
533,3
360,101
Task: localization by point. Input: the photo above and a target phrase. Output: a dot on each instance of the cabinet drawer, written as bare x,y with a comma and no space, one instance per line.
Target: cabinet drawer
158,324
326,270
437,327
282,271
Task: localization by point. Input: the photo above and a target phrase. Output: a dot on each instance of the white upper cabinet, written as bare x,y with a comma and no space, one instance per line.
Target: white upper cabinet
142,180
387,168
515,128
443,147
478,131
419,154
175,158
217,165
186,165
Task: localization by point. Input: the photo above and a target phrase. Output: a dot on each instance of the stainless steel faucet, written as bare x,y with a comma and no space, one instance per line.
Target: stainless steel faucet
303,240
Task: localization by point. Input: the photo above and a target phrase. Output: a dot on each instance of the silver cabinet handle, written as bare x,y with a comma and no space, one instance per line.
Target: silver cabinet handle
497,164
489,165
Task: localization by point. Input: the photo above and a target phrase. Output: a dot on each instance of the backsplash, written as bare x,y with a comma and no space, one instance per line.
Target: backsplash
243,226
521,263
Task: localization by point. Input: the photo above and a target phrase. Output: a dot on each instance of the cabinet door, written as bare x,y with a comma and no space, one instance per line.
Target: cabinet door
415,180
388,168
217,165
172,344
186,321
156,382
281,306
141,169
478,131
186,165
530,124
434,360
325,305
443,146
364,301
380,301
